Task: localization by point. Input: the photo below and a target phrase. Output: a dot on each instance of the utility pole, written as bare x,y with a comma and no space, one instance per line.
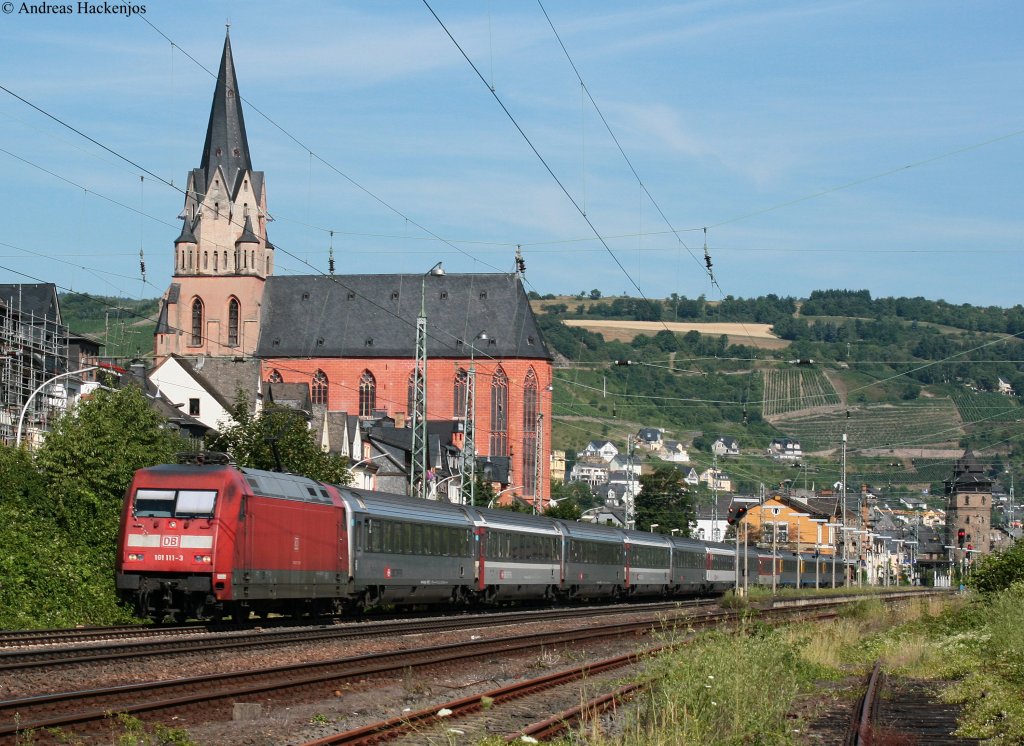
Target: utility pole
538,470
714,497
846,552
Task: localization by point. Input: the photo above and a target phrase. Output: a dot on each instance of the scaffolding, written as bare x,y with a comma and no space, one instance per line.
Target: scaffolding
33,349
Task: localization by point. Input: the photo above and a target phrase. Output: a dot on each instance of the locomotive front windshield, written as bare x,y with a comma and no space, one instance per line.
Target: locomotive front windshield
151,503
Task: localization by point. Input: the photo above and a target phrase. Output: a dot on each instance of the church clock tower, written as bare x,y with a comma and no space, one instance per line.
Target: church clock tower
222,257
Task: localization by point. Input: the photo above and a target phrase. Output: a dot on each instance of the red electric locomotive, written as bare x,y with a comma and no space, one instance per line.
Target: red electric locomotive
221,540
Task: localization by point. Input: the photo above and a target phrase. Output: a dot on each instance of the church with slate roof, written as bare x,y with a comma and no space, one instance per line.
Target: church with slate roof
350,338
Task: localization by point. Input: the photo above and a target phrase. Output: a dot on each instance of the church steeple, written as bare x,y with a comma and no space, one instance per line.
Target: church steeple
226,145
222,257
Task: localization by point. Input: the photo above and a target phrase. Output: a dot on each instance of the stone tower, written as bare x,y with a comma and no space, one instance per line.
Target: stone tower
222,257
969,508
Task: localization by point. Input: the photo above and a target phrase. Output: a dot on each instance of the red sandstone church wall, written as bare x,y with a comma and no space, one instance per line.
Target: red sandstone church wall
392,379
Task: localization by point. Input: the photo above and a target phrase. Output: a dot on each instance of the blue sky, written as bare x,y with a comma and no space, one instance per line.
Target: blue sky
745,117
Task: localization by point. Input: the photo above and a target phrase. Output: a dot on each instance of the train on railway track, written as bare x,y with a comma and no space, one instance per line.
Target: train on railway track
209,539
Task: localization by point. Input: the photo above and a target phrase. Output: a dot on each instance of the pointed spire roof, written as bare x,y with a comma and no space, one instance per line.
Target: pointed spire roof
248,234
187,235
226,145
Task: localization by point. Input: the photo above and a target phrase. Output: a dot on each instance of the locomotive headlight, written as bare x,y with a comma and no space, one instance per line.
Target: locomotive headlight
203,559
136,557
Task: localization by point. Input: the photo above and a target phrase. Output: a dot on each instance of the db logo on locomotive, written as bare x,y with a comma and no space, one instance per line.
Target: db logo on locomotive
170,541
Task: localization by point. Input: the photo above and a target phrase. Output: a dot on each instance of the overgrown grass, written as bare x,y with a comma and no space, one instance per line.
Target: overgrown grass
740,686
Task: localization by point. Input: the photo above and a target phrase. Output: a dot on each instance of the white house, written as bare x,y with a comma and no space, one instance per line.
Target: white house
593,471
674,451
785,449
604,449
725,445
716,479
1004,387
691,477
205,387
650,438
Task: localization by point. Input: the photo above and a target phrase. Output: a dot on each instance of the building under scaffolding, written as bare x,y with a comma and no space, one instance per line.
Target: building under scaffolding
33,350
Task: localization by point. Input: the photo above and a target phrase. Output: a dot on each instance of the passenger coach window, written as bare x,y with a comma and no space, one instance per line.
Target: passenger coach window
174,503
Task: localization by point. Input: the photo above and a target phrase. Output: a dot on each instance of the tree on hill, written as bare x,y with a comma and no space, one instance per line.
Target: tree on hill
664,500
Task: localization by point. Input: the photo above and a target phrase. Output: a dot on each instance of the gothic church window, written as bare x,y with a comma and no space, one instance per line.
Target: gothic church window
530,434
367,394
197,322
499,414
275,377
234,311
319,388
459,394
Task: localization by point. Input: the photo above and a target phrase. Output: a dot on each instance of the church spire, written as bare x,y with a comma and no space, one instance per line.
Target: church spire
226,145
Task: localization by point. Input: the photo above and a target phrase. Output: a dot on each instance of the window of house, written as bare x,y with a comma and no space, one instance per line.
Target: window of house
275,377
193,407
233,313
197,322
367,394
318,391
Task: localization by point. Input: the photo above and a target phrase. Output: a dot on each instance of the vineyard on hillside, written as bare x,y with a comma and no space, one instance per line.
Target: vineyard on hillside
914,424
789,390
979,406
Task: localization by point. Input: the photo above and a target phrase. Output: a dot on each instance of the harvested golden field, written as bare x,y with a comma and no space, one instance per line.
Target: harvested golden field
755,335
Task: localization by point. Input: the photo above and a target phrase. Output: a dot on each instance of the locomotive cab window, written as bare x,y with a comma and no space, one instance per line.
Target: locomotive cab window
150,503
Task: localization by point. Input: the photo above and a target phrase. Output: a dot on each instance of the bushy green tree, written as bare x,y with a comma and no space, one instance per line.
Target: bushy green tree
252,437
90,455
59,512
1000,570
566,509
664,500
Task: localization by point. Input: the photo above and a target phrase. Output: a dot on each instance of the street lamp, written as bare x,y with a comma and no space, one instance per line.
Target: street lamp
366,460
419,451
493,501
654,526
799,559
674,531
40,387
951,549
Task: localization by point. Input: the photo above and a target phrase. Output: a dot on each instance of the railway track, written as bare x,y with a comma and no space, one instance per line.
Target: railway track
483,714
900,711
35,657
210,698
30,637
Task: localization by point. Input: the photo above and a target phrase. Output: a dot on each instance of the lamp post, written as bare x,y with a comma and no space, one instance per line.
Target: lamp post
367,460
951,549
468,460
674,531
494,500
40,387
799,559
420,447
654,526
